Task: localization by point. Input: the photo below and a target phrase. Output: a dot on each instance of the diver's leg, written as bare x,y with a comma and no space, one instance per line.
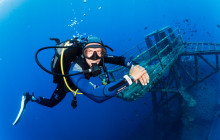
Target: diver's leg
57,97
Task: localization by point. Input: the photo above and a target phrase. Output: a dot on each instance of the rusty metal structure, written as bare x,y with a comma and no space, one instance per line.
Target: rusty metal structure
170,62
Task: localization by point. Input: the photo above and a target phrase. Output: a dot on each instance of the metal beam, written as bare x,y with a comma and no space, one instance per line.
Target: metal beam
195,83
201,52
196,68
207,62
217,62
191,77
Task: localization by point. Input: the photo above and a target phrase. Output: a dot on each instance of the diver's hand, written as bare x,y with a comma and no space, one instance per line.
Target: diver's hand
139,73
144,79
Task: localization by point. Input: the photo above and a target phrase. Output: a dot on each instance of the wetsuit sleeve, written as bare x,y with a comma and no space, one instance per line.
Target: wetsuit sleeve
96,92
119,60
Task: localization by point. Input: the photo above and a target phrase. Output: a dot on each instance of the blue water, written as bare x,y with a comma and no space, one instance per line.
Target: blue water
27,25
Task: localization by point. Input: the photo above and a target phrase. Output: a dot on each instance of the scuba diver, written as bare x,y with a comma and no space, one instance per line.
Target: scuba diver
77,69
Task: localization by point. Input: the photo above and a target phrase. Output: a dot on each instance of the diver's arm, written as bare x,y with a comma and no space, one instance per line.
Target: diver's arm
119,60
99,93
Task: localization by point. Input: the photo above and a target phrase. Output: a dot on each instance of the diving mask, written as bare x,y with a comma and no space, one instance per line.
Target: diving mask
94,51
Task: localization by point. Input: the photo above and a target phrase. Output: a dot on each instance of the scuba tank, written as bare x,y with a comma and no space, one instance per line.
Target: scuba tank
72,51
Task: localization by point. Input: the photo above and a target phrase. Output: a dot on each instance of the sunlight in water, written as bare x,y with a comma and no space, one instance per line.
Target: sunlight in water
6,6
2,1
2,9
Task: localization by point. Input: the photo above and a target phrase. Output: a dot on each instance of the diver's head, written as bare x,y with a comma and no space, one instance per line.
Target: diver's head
93,50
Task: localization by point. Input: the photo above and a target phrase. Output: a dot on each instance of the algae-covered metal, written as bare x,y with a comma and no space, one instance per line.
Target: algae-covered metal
157,54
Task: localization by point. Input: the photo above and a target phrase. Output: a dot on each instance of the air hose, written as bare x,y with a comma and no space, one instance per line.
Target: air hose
50,72
62,70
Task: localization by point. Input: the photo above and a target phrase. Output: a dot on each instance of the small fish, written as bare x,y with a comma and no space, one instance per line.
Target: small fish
186,20
218,25
145,28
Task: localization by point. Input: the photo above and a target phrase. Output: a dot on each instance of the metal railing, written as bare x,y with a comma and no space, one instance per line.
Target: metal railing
147,55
